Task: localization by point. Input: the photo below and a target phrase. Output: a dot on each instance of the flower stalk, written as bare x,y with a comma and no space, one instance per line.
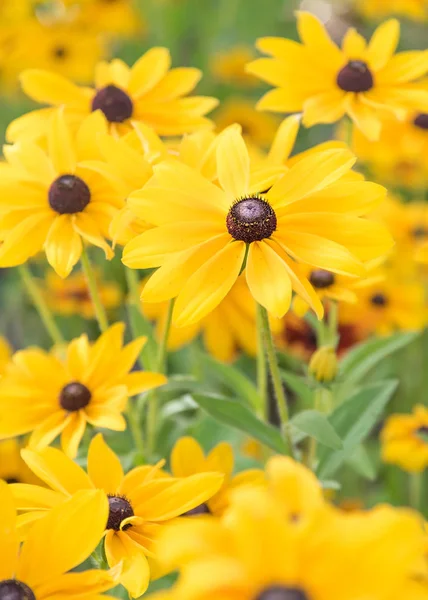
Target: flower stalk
99,309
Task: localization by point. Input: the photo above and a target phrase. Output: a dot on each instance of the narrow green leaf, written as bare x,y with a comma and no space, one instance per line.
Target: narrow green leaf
361,463
316,425
300,386
353,421
141,327
237,415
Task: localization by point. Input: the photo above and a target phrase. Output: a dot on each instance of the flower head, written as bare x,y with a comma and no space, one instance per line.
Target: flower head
139,503
404,440
364,81
51,396
205,232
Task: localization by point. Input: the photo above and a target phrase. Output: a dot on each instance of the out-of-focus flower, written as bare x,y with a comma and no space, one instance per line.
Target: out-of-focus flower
5,354
111,17
71,296
229,67
363,81
12,467
404,440
42,394
413,9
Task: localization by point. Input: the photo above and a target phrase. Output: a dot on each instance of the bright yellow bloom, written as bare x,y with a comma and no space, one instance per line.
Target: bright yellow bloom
323,365
404,440
5,353
140,503
149,92
12,468
40,569
53,199
188,458
364,81
50,396
71,296
203,231
256,552
229,67
413,9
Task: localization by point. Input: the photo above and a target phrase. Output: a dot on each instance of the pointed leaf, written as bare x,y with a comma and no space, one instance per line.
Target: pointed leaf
316,425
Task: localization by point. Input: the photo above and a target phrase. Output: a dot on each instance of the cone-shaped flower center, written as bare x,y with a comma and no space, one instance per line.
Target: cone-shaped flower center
281,592
74,396
251,219
202,509
421,121
379,300
116,105
68,195
12,589
320,278
355,77
120,509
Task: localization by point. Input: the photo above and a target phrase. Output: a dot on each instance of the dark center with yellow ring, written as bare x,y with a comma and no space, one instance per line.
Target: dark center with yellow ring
74,396
355,77
116,105
119,509
320,278
68,195
282,592
379,300
251,219
421,121
12,589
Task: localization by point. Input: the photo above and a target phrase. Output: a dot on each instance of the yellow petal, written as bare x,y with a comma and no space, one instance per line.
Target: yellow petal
135,576
25,240
73,433
88,145
31,497
187,457
149,70
284,140
285,100
63,245
221,459
87,584
327,107
50,88
48,430
9,546
404,67
176,83
138,382
33,160
315,37
61,148
383,44
86,225
233,163
104,467
364,117
354,45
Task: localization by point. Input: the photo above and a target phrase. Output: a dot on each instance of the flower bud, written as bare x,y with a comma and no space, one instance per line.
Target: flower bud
323,364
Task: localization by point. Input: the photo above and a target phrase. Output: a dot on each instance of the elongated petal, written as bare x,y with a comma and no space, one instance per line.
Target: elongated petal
364,117
284,100
383,44
135,576
33,160
177,82
354,45
50,88
31,497
284,140
63,245
187,457
25,240
315,37
233,163
327,107
46,432
9,546
404,67
149,70
72,433
87,584
104,467
138,382
61,148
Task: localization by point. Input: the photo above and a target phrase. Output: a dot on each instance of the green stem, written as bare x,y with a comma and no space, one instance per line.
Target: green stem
272,360
99,309
333,323
153,401
415,489
134,420
261,367
40,304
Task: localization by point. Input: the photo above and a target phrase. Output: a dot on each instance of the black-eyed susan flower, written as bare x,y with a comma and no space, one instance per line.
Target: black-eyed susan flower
40,569
12,468
229,67
188,458
140,503
52,200
363,81
404,440
206,234
257,552
48,396
149,92
71,296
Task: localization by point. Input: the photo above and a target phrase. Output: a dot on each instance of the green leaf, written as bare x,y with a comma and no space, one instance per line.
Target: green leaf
300,386
316,425
361,359
237,415
361,463
353,421
236,381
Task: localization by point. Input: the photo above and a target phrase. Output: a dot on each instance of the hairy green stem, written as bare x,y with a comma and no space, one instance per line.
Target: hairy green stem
99,309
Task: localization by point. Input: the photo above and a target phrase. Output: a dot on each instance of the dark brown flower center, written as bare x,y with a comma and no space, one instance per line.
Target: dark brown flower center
120,509
355,77
74,396
69,195
60,52
202,509
282,592
422,433
420,232
12,480
114,103
320,278
421,121
12,589
379,300
251,219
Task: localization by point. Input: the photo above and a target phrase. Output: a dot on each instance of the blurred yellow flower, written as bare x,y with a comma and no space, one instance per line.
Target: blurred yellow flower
404,440
140,503
413,9
111,17
49,396
71,296
363,81
5,354
13,469
229,67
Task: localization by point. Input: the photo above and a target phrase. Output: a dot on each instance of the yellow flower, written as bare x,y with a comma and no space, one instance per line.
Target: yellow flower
12,468
229,67
257,553
204,232
364,81
40,569
140,503
149,92
404,440
117,18
413,9
323,365
49,396
5,353
187,458
53,199
229,328
71,296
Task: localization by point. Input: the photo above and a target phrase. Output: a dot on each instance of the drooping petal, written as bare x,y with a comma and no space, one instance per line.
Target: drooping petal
88,584
135,576
104,467
63,245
